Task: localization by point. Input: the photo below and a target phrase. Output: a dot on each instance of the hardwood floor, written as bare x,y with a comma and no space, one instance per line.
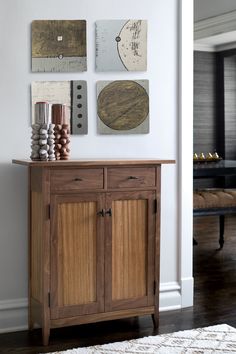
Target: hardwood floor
214,301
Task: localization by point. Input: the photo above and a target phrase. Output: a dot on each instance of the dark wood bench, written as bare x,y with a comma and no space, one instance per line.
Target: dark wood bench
215,201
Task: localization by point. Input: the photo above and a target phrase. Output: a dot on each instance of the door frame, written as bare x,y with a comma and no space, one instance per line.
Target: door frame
187,32
185,153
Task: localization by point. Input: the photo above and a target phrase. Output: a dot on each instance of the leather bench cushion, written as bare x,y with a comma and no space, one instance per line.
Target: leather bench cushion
214,198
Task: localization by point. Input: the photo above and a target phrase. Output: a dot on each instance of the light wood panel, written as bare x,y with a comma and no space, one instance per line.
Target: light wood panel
77,257
129,249
36,245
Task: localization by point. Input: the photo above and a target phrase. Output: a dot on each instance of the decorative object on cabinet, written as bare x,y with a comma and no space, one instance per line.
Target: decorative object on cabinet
209,157
51,142
59,46
35,147
72,93
61,132
79,114
94,238
123,107
121,45
42,139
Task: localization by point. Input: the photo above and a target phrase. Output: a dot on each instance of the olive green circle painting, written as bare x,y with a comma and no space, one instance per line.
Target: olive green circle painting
123,106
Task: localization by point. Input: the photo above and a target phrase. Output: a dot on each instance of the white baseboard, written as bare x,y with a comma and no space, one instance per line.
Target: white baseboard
14,313
187,292
170,296
174,296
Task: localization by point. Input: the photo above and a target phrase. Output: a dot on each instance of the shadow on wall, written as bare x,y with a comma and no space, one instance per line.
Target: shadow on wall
13,231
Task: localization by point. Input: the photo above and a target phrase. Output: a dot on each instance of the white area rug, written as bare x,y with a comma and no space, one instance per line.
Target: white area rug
220,339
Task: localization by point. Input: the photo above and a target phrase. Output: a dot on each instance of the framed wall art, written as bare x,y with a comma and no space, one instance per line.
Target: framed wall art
71,93
59,46
121,45
123,107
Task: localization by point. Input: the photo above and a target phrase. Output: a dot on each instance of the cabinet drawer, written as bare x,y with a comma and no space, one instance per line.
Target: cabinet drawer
77,179
134,177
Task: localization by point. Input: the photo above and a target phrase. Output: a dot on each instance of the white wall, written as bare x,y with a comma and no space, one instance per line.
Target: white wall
209,8
162,141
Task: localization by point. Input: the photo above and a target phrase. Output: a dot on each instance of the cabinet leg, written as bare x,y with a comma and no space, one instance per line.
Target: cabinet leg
46,334
222,227
155,320
31,325
30,317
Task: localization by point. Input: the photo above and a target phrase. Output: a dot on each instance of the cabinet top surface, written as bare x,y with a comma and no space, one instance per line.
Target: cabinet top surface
93,162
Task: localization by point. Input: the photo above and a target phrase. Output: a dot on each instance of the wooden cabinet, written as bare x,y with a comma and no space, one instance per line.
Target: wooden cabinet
94,234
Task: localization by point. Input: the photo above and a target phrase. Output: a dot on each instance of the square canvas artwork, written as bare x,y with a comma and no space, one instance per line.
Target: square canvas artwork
121,45
59,46
123,107
71,93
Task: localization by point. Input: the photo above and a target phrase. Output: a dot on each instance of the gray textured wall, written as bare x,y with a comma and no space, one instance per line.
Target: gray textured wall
204,109
206,121
204,113
230,107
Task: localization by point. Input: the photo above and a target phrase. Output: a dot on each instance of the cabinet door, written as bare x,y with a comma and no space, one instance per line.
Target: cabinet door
77,255
130,245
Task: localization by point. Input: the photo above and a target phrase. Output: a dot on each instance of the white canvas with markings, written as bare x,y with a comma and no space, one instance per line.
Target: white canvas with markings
121,45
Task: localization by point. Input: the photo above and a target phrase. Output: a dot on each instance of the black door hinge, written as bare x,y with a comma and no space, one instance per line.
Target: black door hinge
49,211
154,287
155,206
49,300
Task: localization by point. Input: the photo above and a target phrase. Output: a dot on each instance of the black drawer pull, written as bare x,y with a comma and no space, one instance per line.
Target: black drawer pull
78,179
132,177
109,212
101,212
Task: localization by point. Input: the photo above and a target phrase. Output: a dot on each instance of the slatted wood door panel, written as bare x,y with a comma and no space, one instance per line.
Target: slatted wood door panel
130,250
77,255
